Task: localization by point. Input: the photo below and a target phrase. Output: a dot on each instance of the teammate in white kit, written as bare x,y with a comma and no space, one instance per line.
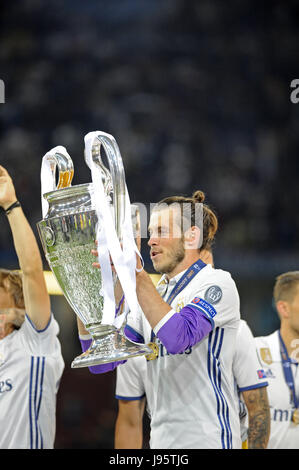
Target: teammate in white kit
31,363
131,392
193,317
279,355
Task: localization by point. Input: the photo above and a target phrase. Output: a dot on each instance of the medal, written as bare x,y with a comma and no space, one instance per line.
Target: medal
295,416
152,356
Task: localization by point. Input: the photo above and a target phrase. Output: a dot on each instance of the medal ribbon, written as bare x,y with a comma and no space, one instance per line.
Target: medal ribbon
180,285
185,279
287,370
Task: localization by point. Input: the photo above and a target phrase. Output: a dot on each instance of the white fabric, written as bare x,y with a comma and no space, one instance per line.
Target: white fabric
284,434
131,383
29,378
191,395
131,379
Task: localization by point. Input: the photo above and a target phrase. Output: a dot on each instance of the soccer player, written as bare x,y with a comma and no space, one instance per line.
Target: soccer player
131,394
31,363
278,354
191,320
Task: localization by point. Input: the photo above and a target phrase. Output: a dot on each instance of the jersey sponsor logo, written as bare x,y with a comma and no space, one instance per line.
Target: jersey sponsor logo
203,305
265,354
281,415
213,295
5,386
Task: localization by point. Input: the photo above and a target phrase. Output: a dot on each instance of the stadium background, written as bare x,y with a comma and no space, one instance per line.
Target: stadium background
197,95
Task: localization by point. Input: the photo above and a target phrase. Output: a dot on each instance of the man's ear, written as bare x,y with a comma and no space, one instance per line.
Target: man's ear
192,237
283,309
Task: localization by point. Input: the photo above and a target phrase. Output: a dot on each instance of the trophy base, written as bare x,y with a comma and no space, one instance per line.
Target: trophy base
112,347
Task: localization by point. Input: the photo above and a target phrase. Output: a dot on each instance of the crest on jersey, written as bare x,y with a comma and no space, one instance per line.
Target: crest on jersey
213,294
180,305
265,354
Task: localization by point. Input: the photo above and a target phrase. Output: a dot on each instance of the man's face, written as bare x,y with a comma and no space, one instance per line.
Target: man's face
166,241
294,312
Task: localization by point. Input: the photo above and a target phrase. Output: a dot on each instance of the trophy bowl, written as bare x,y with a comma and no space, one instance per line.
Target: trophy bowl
68,233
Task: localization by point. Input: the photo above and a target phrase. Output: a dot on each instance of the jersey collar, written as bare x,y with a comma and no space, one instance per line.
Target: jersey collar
273,341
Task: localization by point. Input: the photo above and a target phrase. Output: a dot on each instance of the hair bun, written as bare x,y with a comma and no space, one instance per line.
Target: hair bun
198,196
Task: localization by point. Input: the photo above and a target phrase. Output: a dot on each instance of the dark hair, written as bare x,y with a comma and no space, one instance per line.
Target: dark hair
15,285
285,286
209,218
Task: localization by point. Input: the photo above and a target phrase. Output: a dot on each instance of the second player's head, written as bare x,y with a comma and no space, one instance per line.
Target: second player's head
11,296
286,298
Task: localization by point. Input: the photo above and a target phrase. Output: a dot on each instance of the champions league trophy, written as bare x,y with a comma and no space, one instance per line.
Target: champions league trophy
68,232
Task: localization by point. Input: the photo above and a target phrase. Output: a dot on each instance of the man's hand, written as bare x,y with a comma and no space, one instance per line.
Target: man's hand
7,190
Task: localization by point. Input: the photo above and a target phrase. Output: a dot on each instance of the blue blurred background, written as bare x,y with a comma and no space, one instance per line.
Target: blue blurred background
197,95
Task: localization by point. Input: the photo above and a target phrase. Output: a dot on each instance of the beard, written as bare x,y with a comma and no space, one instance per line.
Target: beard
173,258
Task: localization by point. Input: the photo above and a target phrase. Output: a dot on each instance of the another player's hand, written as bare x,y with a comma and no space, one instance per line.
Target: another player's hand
7,190
96,264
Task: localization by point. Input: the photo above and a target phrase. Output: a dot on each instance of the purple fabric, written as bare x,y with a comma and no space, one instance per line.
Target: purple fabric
119,305
101,368
184,330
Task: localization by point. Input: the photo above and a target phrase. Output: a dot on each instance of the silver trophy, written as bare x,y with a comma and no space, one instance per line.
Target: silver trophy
68,234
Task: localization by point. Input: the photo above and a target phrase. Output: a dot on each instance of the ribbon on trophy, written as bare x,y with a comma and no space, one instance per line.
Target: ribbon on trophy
56,156
123,257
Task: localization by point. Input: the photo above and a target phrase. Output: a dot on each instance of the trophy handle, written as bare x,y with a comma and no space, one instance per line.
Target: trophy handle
117,184
65,167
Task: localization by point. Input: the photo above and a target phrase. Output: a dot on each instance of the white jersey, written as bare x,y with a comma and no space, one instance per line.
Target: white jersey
284,434
31,366
131,383
246,370
191,395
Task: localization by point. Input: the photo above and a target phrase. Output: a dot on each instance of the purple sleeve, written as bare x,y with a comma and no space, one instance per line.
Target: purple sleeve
101,368
184,330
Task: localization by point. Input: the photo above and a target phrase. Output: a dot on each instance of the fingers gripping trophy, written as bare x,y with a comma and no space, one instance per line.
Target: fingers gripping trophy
74,217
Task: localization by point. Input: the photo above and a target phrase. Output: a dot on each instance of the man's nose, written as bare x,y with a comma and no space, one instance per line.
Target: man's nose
152,241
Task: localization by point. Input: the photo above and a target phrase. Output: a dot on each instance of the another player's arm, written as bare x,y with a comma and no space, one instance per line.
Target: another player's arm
37,300
257,404
129,424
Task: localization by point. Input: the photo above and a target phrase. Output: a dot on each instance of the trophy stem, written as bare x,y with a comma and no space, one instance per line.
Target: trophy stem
109,345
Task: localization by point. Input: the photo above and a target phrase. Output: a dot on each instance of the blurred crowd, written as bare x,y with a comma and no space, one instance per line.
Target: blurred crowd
197,95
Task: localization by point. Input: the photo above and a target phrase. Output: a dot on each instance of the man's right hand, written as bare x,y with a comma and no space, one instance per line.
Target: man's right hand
7,190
